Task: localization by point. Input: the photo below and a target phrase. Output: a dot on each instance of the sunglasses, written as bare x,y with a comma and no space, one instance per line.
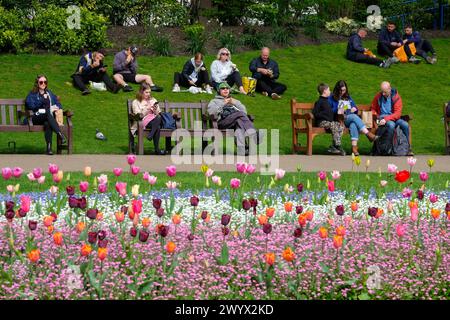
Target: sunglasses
224,54
43,82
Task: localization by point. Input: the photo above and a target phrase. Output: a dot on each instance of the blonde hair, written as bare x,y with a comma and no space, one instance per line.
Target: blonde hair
224,50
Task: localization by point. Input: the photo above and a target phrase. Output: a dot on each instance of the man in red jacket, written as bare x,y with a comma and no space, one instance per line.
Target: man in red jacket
387,106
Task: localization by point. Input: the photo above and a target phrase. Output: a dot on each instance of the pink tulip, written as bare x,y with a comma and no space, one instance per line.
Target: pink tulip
84,186
52,168
331,187
17,172
57,177
53,190
10,188
121,188
383,183
406,193
209,172
423,176
41,179
117,171
135,170
152,180
171,185
249,169
414,214
322,175
25,203
137,206
392,168
145,176
215,179
401,230
31,177
131,159
411,161
102,179
102,188
7,173
433,198
335,174
240,167
171,171
37,173
235,183
279,174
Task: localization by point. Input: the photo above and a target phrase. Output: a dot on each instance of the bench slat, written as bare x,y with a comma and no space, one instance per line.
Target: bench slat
11,115
3,114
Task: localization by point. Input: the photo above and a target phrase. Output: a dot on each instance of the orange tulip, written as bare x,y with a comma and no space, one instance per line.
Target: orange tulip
412,204
86,250
262,219
130,212
34,255
354,206
309,215
288,254
270,212
323,232
80,226
337,241
57,238
288,206
99,216
48,221
120,216
379,213
146,222
208,218
176,219
50,229
340,231
270,258
170,247
448,215
435,213
330,222
302,219
102,253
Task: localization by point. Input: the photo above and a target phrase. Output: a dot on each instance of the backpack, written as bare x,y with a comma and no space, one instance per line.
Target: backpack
384,146
401,143
249,85
167,121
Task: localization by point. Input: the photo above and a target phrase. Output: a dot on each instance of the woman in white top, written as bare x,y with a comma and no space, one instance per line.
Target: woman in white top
223,70
148,110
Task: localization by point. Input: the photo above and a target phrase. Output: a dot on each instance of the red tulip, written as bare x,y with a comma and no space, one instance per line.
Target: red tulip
402,176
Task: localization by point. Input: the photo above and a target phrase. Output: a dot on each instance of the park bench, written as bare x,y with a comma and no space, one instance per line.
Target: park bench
303,123
12,116
446,129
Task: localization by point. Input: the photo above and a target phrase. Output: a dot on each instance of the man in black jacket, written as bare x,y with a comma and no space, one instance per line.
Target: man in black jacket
266,71
390,40
194,74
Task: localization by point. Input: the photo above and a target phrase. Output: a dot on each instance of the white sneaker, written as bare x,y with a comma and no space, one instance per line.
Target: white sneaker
208,89
176,88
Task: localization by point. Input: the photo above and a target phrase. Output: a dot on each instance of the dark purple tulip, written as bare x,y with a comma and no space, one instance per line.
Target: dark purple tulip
372,211
420,194
91,213
92,237
298,232
254,202
70,190
9,205
447,207
267,228
102,243
204,214
225,231
194,201
339,210
225,219
156,203
246,205
54,216
163,230
300,187
32,225
22,213
124,209
133,232
9,214
160,212
298,209
143,235
101,234
73,202
82,203
190,237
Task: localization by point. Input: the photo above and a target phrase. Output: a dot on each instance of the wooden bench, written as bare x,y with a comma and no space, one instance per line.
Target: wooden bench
303,123
446,130
12,116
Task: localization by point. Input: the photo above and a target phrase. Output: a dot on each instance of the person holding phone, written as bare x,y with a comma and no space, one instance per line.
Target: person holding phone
43,102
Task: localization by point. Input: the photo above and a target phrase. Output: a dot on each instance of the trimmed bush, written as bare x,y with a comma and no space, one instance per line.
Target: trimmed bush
13,33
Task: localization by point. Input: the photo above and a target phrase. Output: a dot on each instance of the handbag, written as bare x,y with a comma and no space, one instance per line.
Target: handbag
249,85
366,117
227,110
167,121
59,117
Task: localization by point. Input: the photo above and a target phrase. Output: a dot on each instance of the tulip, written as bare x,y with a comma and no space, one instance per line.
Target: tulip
402,176
120,216
383,183
152,180
87,171
302,219
267,228
322,175
162,230
331,187
92,237
171,185
70,190
117,171
194,201
447,207
246,205
10,214
41,179
190,237
73,202
31,177
37,173
379,213
57,177
288,254
53,168
48,221
339,210
420,194
54,216
262,219
102,253
7,173
137,206
92,213
337,241
340,231
84,186
235,183
430,163
216,180
335,175
53,190
143,235
135,190
406,193
170,247
270,212
131,159
146,222
411,161
300,187
176,218
171,171
86,250
32,225
101,235
133,232
209,173
298,209
298,232
433,198
435,213
279,174
400,230
156,203
240,167
135,170
102,243
80,226
102,188
50,229
414,214
323,232
102,179
17,172
34,255
160,212
25,203
121,188
309,215
392,168
57,238
204,215
354,206
249,169
372,211
270,258
288,206
225,219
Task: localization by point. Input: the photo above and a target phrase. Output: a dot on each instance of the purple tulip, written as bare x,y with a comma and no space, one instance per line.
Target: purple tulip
253,202
339,210
372,211
82,203
447,207
246,205
22,213
92,213
143,235
133,232
54,216
298,232
420,194
70,190
102,243
124,209
156,203
92,237
32,225
9,205
163,230
9,214
190,237
299,209
225,231
160,212
73,202
225,219
300,187
101,234
267,228
194,201
204,214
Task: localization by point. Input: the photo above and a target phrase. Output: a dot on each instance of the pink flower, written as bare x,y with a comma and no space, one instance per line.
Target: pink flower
279,174
102,179
216,180
335,174
411,161
383,183
145,176
117,171
121,188
84,186
37,173
53,190
31,177
401,230
131,159
135,170
406,193
322,175
25,203
235,183
10,188
102,188
17,172
423,176
240,167
7,173
249,169
152,180
331,186
433,198
392,168
209,172
137,206
414,213
41,179
171,171
171,185
57,177
52,168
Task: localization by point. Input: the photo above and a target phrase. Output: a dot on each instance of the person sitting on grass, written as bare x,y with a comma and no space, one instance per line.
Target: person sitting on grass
223,70
357,53
423,46
194,74
91,68
266,71
125,70
147,108
390,40
324,118
342,104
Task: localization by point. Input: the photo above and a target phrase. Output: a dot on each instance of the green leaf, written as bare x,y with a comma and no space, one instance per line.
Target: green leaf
143,288
224,255
364,296
324,267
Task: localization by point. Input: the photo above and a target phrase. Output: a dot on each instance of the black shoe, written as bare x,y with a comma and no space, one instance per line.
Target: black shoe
155,88
115,89
49,149
341,150
86,92
160,152
63,138
127,88
334,150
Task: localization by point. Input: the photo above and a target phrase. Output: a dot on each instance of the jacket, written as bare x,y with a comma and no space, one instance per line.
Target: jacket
221,70
414,37
215,106
258,63
145,112
397,105
121,66
354,46
335,104
85,65
322,110
34,101
190,70
387,37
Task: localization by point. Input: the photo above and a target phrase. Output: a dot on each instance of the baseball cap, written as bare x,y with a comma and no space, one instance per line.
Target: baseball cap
133,50
224,85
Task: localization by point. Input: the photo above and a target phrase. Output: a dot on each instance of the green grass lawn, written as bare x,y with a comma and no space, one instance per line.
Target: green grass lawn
423,87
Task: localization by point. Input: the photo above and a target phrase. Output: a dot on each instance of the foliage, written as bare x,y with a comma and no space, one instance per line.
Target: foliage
227,40
159,43
312,27
195,35
253,38
342,26
13,33
282,35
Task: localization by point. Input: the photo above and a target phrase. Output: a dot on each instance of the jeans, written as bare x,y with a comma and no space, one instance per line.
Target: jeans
354,124
391,125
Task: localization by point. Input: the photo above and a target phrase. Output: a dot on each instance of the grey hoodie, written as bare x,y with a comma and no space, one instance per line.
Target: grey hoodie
215,106
121,65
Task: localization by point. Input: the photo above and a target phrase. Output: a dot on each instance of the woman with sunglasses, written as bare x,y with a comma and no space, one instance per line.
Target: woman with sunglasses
43,103
223,70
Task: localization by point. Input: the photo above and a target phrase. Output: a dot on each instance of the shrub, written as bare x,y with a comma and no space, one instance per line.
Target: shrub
254,38
13,33
342,26
227,40
282,35
195,36
159,43
312,27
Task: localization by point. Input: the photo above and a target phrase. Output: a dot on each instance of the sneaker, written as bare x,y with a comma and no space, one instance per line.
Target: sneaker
429,60
155,88
176,88
410,153
341,150
127,88
414,60
86,92
333,150
275,96
264,93
394,59
434,58
209,89
387,63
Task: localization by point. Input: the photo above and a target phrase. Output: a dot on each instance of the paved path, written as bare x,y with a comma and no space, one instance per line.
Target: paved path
101,163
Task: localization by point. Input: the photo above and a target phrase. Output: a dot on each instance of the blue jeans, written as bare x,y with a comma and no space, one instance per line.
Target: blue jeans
354,124
391,125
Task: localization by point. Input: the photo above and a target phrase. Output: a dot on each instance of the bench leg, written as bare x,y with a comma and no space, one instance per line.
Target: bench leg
309,144
168,144
141,144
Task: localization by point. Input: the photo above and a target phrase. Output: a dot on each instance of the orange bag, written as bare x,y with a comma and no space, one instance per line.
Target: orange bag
401,54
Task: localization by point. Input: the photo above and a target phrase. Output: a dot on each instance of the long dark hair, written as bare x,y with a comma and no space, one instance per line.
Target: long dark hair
337,90
140,93
36,83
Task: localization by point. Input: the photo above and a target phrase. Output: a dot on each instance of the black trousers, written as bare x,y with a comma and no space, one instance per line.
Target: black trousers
424,47
155,131
49,123
362,58
388,50
233,78
269,86
80,81
203,79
